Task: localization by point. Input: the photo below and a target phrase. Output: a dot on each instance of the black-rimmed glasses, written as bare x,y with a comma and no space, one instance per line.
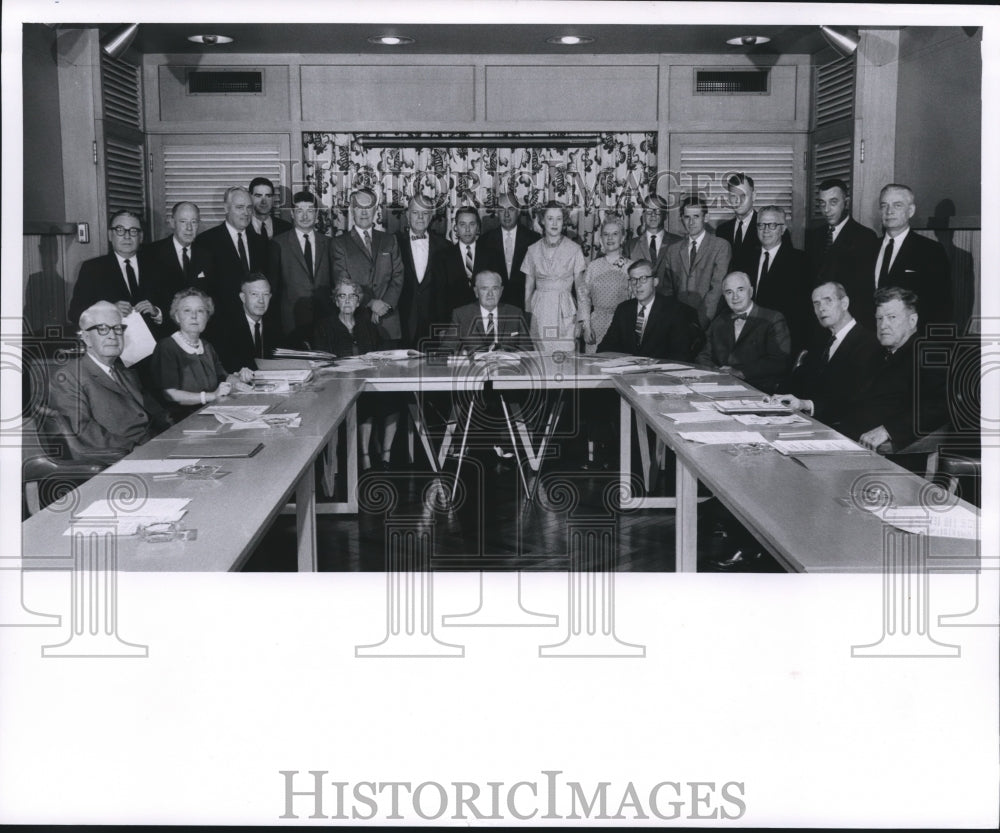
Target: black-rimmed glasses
104,329
122,231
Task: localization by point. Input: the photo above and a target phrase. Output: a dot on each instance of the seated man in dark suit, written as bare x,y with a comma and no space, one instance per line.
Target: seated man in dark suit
487,324
102,401
828,378
241,339
884,416
752,342
649,324
123,276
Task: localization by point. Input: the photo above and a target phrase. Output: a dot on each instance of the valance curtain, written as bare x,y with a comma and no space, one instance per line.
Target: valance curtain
612,176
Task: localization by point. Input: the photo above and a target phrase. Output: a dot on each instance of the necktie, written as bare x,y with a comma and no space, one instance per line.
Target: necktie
258,342
368,240
640,321
308,252
186,262
826,352
652,248
738,235
694,254
763,269
508,250
242,251
468,261
133,283
489,325
829,239
739,320
418,237
883,275
263,231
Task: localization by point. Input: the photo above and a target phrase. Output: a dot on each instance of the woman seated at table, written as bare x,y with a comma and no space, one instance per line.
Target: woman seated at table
185,368
352,333
552,267
605,284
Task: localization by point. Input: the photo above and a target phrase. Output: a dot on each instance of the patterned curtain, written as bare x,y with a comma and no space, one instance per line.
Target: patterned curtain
612,176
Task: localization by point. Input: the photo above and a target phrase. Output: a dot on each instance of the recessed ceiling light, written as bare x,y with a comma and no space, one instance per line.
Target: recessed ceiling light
210,40
569,40
748,40
390,40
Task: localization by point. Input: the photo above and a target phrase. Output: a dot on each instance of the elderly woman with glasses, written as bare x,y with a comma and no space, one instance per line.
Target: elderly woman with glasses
185,367
605,284
352,333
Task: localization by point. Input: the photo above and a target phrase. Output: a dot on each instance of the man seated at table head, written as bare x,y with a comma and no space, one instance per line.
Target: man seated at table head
101,401
829,377
650,324
249,333
487,324
751,342
884,415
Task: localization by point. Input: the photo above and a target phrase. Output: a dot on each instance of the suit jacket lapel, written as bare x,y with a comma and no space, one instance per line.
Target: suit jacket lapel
753,321
359,241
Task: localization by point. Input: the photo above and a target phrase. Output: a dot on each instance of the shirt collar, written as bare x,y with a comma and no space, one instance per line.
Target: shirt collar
251,322
840,226
485,313
898,239
773,251
697,240
106,368
843,331
233,232
133,260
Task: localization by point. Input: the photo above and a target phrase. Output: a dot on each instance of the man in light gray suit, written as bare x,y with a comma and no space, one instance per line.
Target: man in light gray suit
697,264
654,241
303,271
371,259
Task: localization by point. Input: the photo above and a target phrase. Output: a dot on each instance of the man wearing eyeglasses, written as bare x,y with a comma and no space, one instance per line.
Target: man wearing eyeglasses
101,401
649,324
124,276
779,275
302,268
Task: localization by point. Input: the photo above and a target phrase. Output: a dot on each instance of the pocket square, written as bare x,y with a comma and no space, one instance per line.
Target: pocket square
909,271
201,274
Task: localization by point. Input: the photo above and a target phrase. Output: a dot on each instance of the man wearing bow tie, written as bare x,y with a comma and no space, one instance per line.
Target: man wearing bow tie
751,342
371,259
423,301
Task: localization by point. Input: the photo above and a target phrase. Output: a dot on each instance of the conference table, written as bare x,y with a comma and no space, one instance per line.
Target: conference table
807,515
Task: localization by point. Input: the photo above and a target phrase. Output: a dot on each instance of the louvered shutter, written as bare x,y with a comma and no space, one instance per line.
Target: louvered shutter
122,91
708,168
203,173
832,139
124,142
125,174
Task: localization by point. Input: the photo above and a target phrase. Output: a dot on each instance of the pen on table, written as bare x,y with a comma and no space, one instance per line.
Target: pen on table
796,433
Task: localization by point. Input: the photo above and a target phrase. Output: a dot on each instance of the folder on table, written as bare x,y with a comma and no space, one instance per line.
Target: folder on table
216,447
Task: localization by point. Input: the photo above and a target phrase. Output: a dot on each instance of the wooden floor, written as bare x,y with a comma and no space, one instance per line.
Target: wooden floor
405,512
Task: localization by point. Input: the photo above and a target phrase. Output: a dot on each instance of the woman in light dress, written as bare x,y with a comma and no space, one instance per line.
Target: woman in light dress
605,284
552,267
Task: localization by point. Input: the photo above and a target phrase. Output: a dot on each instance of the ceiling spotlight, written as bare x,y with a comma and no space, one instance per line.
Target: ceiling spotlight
117,41
390,40
210,40
843,40
748,40
569,40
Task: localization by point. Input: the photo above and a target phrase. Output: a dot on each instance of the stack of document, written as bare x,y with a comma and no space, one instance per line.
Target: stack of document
837,446
272,376
392,355
152,510
312,356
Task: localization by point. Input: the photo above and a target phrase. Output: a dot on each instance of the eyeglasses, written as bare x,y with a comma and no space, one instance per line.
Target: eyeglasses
122,231
104,329
343,297
770,226
640,279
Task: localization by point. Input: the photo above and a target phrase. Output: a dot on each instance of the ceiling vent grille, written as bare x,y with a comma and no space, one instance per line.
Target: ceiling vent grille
732,82
225,82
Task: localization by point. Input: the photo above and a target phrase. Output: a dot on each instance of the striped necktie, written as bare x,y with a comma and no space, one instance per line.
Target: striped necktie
640,323
468,261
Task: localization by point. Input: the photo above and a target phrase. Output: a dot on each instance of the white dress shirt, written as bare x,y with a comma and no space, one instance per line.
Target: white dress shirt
897,242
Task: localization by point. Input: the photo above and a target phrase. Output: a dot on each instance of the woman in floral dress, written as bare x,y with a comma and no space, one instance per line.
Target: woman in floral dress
605,284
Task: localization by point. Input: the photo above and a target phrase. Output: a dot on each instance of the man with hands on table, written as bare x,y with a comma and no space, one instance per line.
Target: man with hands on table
487,324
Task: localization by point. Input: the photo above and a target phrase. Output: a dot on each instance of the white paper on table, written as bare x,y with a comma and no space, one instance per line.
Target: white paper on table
273,386
704,406
153,510
714,387
139,341
699,416
757,419
693,373
837,445
641,368
723,437
393,355
954,522
237,412
269,421
127,466
668,390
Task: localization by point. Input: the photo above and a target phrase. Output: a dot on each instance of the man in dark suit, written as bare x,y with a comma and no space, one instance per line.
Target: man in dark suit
840,248
423,301
123,276
303,272
464,259
174,261
262,224
250,334
830,377
740,232
487,324
648,324
371,259
653,242
101,400
752,342
697,264
907,260
503,249
778,274
884,415
230,253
